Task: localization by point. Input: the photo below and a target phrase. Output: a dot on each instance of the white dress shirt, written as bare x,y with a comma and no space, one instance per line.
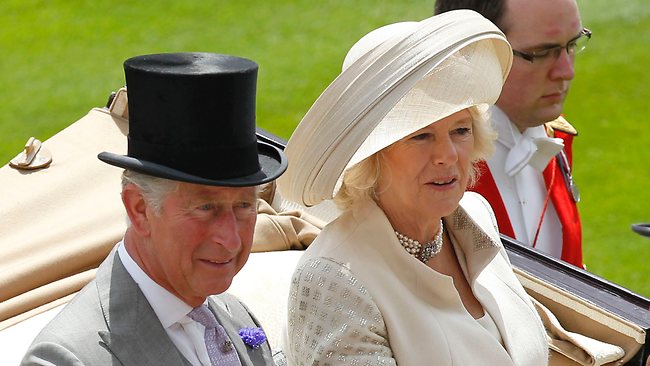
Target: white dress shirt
186,334
524,192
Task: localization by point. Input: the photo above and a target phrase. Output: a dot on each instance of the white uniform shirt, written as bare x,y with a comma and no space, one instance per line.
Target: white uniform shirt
524,193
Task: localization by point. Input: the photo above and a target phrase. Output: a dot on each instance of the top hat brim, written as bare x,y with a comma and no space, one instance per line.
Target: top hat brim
272,164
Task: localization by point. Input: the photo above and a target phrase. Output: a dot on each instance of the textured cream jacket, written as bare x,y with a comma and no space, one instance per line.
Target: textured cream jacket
357,298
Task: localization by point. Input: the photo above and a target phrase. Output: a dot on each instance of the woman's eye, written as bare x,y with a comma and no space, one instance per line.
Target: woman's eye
463,131
421,137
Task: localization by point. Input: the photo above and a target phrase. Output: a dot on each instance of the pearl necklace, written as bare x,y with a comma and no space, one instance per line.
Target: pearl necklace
414,248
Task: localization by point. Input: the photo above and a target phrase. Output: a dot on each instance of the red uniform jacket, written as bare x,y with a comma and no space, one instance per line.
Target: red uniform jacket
560,195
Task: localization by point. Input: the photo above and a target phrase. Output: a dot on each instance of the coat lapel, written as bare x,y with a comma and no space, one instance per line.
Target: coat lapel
135,335
481,244
509,315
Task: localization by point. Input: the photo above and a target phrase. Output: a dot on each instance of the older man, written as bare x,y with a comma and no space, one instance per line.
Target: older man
189,189
528,181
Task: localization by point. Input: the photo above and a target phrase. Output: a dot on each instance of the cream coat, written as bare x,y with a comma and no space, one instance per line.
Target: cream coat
357,296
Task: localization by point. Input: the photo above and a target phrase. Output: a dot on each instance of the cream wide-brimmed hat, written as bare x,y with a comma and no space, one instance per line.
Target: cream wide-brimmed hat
395,81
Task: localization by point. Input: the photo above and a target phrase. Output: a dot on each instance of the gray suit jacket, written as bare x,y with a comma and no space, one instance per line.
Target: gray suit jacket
110,322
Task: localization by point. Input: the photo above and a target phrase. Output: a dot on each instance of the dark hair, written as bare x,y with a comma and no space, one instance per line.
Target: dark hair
491,9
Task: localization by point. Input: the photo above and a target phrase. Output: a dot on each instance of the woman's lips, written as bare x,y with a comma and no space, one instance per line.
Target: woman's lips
443,183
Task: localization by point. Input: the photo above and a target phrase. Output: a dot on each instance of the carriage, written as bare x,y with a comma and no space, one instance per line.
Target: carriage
61,217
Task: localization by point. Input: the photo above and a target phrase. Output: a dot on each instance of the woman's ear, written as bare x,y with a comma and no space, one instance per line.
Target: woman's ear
136,208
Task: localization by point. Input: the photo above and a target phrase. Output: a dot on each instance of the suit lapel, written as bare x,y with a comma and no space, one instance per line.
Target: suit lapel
135,335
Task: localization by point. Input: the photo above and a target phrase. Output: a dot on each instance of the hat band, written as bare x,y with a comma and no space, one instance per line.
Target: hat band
209,162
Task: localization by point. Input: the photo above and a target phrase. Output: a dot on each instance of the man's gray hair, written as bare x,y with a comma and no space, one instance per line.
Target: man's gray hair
154,189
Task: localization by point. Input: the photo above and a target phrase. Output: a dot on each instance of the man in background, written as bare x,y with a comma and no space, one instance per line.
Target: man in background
528,181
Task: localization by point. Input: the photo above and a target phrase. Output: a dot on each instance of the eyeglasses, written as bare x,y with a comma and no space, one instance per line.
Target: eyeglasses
573,47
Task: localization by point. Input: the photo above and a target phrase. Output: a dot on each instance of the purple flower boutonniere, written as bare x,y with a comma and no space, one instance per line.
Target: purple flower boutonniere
253,337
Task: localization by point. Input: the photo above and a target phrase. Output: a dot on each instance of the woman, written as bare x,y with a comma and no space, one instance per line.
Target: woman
412,272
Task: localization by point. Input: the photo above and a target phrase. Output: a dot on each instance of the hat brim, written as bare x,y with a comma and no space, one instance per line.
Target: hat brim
272,161
351,107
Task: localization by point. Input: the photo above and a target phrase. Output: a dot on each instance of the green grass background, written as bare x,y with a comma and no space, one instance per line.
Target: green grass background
62,57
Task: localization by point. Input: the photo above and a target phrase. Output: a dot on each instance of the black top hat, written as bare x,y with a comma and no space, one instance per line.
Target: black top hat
192,119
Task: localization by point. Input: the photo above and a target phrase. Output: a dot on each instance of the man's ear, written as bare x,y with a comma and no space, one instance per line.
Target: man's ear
136,209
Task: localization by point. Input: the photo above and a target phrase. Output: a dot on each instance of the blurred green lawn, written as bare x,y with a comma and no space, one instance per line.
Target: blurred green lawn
62,57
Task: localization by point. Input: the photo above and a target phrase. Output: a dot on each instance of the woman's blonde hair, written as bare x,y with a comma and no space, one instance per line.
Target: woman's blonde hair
360,181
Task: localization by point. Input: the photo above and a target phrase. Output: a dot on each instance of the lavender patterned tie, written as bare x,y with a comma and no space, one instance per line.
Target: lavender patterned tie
220,348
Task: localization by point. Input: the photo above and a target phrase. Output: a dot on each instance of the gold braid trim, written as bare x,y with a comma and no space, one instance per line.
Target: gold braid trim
560,124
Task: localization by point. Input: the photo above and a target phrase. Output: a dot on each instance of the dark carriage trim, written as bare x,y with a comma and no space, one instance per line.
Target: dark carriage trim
597,290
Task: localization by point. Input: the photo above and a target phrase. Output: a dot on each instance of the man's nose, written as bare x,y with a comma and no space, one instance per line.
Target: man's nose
225,230
563,67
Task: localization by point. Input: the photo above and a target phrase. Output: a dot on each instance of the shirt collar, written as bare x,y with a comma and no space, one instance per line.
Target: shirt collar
169,308
533,147
507,132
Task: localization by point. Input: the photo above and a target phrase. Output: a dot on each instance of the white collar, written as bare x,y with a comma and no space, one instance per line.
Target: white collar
169,308
533,147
